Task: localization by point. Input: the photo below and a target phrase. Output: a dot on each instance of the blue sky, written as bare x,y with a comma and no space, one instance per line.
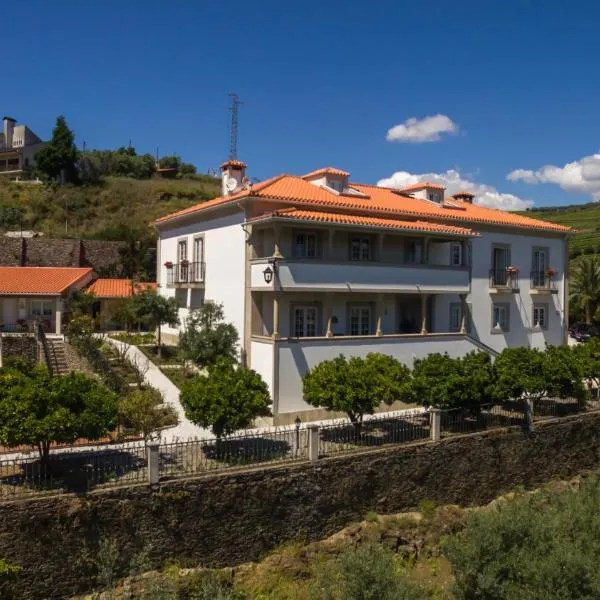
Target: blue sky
323,82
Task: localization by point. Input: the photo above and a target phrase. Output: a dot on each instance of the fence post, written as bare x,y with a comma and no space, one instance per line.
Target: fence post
529,413
153,463
435,429
313,442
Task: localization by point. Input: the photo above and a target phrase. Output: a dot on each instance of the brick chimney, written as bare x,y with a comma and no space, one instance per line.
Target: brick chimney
233,173
464,196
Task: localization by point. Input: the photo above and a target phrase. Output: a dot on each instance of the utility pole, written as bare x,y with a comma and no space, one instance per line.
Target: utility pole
233,134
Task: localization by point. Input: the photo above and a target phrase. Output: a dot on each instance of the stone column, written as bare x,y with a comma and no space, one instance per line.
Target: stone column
153,462
425,251
313,442
58,316
435,429
275,334
424,314
328,312
379,311
330,238
463,313
277,236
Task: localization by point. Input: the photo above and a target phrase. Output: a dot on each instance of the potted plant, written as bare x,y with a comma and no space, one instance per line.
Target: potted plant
550,272
512,269
184,262
169,264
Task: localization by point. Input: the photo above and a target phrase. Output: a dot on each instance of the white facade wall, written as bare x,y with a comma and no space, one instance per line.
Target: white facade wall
262,357
224,255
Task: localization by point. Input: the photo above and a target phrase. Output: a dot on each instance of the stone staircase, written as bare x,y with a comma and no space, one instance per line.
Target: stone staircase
58,359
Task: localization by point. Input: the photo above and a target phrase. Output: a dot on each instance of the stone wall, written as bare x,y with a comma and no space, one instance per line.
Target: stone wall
48,252
234,518
19,346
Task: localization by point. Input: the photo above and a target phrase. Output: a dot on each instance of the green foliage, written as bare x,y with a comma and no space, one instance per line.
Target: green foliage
533,373
445,382
228,398
191,587
123,162
174,162
11,216
37,410
154,310
356,386
57,159
80,326
584,287
542,546
144,412
107,561
9,573
368,573
588,357
207,338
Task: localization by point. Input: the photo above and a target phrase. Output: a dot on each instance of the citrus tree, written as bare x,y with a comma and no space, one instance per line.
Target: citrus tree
144,411
155,310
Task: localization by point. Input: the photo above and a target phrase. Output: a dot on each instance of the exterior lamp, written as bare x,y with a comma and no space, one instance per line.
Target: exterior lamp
298,422
268,274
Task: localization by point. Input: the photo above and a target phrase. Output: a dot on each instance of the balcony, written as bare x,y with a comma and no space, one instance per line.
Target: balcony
186,274
503,281
371,276
542,282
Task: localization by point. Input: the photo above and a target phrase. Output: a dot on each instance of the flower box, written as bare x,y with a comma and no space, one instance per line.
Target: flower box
185,262
550,272
169,264
512,269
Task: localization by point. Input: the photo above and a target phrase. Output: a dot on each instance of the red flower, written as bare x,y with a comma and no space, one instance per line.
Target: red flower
169,264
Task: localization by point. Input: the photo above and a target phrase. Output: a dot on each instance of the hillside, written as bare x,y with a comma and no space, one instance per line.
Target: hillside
98,211
584,217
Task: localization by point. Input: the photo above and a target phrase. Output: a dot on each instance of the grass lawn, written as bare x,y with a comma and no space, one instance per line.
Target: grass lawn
169,355
179,376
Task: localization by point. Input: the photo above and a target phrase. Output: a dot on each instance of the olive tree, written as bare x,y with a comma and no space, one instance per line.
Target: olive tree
155,310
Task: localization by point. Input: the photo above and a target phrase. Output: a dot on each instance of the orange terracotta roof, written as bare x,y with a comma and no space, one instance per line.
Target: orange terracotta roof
463,193
40,281
422,185
326,171
234,163
118,288
348,219
375,201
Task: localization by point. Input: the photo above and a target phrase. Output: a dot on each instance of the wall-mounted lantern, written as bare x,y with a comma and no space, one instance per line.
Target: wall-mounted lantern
268,274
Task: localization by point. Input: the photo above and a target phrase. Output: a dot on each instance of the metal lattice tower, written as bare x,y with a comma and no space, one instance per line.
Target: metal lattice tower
233,134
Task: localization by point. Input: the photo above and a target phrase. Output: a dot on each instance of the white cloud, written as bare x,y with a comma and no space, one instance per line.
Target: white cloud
427,129
578,177
485,195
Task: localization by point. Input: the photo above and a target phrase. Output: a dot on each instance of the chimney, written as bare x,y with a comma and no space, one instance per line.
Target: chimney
233,175
464,196
9,127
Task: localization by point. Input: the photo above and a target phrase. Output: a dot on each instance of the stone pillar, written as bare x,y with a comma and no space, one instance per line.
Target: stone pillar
275,334
330,238
435,429
277,236
313,442
529,414
379,312
328,315
153,462
423,314
463,313
425,251
58,318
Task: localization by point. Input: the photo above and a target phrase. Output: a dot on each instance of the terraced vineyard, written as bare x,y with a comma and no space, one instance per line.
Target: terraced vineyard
583,217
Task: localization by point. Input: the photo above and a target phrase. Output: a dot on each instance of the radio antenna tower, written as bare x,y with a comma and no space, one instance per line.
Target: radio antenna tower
233,138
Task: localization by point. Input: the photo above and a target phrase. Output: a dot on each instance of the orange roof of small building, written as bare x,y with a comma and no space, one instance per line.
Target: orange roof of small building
374,200
421,185
118,288
326,171
377,222
40,281
463,193
232,162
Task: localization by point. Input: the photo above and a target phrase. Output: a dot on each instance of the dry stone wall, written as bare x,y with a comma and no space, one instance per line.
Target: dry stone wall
230,519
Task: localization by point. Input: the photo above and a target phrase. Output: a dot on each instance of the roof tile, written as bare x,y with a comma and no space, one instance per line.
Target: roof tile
39,281
118,288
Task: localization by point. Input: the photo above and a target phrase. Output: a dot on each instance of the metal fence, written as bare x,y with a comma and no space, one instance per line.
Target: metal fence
548,408
343,436
73,471
482,417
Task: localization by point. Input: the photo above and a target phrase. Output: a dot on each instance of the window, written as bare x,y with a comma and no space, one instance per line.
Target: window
413,251
41,308
455,316
360,320
305,245
500,317
434,197
456,255
360,248
305,321
338,186
198,249
539,266
540,316
500,260
182,250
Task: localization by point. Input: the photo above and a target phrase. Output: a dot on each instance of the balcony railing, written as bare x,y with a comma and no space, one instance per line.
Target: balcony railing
542,281
186,272
501,279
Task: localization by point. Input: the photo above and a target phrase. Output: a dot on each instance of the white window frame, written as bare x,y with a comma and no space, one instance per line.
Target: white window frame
305,310
361,309
198,248
540,310
182,250
361,243
306,251
500,318
459,257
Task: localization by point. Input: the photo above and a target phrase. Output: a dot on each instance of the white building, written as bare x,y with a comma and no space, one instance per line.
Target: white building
316,266
18,147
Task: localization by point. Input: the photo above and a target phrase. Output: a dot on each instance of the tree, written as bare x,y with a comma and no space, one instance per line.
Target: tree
11,216
357,385
144,411
226,399
154,310
584,287
57,158
38,410
207,337
445,382
588,356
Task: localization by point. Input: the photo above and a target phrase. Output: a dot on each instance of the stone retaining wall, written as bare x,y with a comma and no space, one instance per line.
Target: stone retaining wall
19,346
234,518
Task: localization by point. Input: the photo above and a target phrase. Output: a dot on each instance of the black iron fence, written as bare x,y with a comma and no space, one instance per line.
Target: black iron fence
482,417
503,278
543,280
186,272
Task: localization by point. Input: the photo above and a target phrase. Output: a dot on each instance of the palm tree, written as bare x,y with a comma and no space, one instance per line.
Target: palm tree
585,287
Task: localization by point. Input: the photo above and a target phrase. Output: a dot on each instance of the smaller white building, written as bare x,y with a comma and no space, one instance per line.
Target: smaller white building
18,147
310,267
